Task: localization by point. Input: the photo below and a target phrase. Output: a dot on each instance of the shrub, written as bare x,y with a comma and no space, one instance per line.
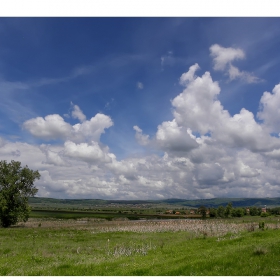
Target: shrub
260,251
264,214
261,225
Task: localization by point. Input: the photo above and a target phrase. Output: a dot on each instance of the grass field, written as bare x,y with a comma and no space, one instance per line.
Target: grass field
181,247
108,215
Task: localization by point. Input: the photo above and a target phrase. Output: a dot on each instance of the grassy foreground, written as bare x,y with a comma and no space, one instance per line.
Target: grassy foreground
159,248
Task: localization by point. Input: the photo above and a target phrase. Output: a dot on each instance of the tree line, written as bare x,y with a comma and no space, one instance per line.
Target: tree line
229,211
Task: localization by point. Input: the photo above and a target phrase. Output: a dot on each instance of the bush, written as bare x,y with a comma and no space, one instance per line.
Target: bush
260,251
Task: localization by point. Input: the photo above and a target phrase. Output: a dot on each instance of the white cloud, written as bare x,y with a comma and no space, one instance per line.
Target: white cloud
197,108
234,73
78,114
50,127
207,173
247,171
91,130
54,127
27,154
207,152
270,109
171,137
223,57
221,172
47,182
141,138
189,76
90,153
126,168
53,155
2,142
274,154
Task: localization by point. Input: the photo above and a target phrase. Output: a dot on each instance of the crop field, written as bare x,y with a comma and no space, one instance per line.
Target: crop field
92,246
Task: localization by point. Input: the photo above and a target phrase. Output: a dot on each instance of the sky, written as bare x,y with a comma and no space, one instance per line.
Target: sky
143,107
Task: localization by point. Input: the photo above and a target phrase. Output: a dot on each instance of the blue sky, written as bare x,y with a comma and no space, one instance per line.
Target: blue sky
143,108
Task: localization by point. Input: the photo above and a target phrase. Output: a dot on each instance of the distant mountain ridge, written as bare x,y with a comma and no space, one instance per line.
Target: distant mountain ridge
213,202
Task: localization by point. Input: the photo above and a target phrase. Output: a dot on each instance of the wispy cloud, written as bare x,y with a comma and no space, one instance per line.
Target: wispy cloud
140,85
167,59
9,91
223,58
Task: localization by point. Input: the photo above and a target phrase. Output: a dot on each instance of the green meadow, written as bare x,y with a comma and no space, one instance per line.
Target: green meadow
65,247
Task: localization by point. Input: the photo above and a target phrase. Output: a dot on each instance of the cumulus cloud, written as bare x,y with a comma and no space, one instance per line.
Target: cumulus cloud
247,171
91,154
223,58
202,151
270,109
198,108
242,130
53,157
54,127
92,129
50,127
27,154
127,168
221,172
206,173
207,147
171,137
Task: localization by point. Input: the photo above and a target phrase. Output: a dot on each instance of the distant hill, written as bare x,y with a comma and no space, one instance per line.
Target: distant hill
213,202
236,202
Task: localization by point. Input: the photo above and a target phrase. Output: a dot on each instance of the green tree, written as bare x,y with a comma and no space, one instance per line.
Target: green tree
275,211
202,210
228,210
254,211
213,212
264,214
238,212
221,211
16,185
